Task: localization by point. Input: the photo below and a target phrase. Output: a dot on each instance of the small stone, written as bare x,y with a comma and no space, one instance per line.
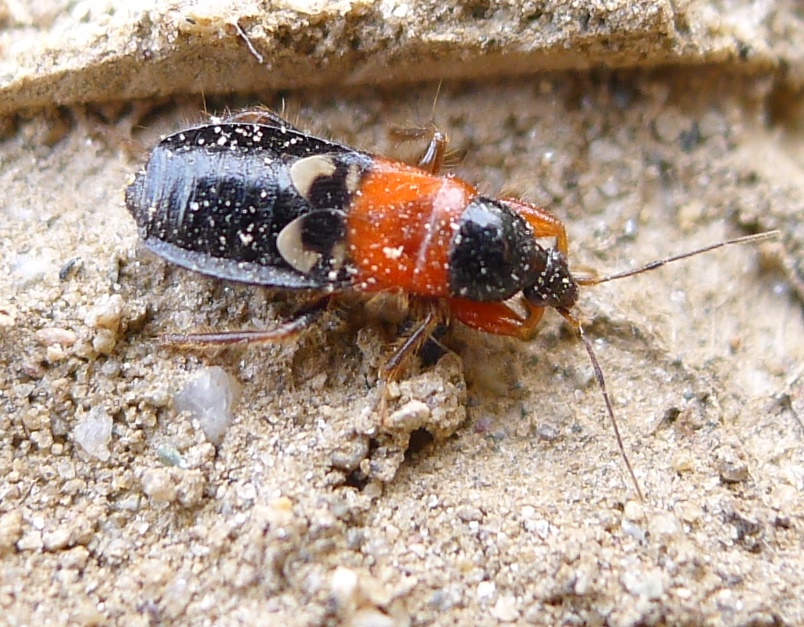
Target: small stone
176,596
646,584
634,511
350,452
540,528
669,125
345,587
689,512
54,335
689,215
469,513
93,433
605,151
55,353
31,541
30,268
190,490
730,467
159,485
76,557
8,316
504,610
283,505
548,432
370,617
107,314
56,540
713,124
486,591
664,526
104,341
682,462
410,416
210,397
10,530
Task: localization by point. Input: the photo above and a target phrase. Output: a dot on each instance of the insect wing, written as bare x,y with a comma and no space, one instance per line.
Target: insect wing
214,198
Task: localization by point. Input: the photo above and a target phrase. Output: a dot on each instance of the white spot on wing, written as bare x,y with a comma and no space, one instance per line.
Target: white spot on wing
290,246
306,171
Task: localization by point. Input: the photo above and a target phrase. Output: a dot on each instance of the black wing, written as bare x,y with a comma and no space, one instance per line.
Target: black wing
214,197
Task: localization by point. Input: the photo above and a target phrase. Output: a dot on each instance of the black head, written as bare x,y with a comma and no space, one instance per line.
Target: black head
494,255
554,286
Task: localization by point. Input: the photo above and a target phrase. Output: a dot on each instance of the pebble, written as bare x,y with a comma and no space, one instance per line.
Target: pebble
504,610
158,484
107,314
209,397
10,530
93,433
410,416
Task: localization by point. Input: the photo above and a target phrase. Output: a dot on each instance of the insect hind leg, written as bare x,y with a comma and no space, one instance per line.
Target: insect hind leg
291,327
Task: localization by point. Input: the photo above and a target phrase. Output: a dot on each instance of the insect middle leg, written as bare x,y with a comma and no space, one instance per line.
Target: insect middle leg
432,159
260,115
390,370
411,345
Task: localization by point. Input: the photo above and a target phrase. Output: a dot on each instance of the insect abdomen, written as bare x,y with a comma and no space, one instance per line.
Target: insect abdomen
223,204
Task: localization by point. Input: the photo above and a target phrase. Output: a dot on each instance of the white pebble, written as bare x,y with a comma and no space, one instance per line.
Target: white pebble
410,416
504,610
209,397
345,588
486,591
158,484
54,335
93,433
30,268
107,314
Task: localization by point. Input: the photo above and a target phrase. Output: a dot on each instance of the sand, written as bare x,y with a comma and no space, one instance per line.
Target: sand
493,492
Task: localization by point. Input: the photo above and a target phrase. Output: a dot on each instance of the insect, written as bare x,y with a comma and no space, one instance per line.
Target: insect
255,200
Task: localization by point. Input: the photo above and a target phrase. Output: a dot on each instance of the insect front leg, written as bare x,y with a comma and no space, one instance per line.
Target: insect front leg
543,223
496,318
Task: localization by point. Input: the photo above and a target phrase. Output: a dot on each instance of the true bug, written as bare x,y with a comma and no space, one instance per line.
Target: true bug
255,200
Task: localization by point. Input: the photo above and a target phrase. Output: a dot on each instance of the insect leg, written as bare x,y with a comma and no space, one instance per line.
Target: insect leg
287,329
543,223
432,159
411,344
261,115
496,318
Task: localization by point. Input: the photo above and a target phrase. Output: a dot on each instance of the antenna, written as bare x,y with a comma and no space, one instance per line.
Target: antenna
746,239
601,382
575,322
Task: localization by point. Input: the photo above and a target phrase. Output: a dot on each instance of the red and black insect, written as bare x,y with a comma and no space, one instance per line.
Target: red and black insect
264,203
253,199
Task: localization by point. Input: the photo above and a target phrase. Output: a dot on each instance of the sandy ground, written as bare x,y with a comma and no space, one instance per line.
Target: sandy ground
495,492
